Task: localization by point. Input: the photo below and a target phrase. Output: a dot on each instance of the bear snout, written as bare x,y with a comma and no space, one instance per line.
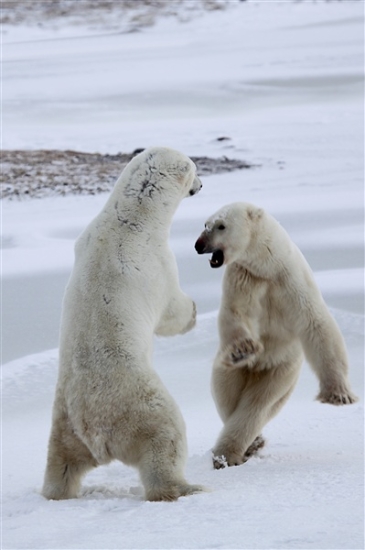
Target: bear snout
200,246
197,185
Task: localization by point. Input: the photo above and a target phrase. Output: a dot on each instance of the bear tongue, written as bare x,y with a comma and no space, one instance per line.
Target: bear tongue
217,258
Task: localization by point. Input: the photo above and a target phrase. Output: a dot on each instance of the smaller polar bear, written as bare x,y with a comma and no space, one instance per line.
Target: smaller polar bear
271,311
110,403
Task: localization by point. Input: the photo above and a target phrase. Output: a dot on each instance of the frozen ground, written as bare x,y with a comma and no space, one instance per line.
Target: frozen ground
285,82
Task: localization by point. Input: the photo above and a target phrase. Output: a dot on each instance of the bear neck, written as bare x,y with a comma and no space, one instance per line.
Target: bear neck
147,216
268,252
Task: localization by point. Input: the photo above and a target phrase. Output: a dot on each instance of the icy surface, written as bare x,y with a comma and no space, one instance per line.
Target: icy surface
284,82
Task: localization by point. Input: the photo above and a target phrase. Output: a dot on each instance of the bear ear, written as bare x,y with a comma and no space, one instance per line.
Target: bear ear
184,168
183,171
254,213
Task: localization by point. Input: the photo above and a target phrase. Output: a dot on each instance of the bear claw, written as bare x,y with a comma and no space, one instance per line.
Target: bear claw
243,353
219,462
337,398
257,444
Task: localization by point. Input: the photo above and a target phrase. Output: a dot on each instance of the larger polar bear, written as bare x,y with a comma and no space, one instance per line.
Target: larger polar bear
124,288
271,311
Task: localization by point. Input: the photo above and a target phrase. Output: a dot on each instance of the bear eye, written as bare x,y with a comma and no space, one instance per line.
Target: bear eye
221,227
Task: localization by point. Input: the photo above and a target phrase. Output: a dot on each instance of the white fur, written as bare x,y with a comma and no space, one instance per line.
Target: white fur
110,403
271,312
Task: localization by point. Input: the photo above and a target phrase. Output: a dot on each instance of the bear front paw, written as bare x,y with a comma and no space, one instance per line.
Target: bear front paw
337,397
243,353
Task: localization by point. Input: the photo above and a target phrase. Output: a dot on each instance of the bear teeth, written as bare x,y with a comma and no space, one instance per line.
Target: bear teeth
217,258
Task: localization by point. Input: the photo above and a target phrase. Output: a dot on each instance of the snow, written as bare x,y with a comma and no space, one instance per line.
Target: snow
284,82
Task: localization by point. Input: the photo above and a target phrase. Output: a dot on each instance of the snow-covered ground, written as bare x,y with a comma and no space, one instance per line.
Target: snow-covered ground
284,81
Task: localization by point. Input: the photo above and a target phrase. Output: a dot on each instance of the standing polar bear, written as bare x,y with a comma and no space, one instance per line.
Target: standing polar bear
271,311
110,403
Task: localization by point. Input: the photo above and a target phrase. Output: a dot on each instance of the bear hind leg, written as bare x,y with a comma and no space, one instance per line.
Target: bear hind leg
264,395
67,462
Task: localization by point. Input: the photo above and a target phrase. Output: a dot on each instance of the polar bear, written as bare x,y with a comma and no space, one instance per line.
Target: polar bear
271,312
124,288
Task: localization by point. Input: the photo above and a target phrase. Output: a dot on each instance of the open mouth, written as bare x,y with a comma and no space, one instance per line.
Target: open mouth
217,258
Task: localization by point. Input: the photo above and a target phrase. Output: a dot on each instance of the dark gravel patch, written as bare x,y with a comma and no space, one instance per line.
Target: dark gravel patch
121,15
43,173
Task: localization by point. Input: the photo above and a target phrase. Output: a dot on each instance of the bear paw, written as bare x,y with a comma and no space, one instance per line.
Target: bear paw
341,397
219,462
243,353
254,448
173,492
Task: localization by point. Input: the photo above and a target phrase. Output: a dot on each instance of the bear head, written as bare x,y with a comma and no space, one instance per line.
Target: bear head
228,233
157,172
